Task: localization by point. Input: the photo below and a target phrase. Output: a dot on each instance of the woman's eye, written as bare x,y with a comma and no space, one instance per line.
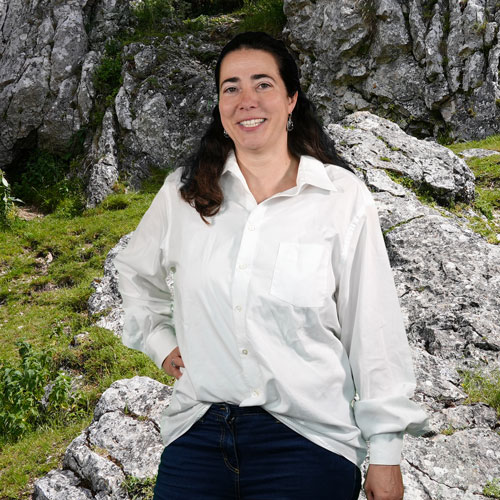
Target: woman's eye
230,90
264,85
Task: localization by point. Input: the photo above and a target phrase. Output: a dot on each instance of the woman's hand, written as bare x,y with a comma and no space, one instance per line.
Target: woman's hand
384,482
172,364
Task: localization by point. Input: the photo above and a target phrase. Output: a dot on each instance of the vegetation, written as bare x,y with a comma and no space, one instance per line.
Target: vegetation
484,388
46,267
492,488
487,202
140,489
6,201
50,182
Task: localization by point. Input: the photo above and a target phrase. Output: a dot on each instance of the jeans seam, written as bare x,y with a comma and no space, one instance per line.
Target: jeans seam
221,445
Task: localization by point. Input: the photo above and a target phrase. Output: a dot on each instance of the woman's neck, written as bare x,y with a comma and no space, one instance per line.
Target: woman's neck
268,173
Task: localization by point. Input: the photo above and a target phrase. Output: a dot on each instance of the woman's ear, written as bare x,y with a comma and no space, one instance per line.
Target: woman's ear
292,102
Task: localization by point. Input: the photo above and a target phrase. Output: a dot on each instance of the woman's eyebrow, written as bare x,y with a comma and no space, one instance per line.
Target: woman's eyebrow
236,79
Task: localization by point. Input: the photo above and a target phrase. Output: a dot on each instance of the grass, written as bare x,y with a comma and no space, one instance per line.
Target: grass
46,268
487,202
492,488
484,388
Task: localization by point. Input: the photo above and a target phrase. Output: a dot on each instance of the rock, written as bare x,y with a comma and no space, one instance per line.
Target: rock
104,172
376,145
477,153
123,441
49,51
58,484
452,467
432,67
106,298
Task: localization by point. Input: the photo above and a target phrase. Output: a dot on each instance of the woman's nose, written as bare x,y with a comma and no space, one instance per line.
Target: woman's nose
247,99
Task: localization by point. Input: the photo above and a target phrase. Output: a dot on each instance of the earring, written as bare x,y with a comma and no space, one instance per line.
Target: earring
289,123
226,135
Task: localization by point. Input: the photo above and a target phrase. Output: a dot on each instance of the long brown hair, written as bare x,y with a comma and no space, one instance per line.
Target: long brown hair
200,178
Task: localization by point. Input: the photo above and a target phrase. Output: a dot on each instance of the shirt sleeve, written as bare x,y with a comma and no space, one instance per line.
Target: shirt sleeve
147,301
373,334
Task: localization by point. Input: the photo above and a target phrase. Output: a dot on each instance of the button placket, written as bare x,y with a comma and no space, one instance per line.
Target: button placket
241,283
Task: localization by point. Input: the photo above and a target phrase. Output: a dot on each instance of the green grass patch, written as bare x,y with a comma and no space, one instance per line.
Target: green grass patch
46,268
487,202
484,388
492,488
34,456
491,142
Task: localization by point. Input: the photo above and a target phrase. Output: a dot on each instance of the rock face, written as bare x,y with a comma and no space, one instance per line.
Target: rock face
46,69
123,441
448,279
431,66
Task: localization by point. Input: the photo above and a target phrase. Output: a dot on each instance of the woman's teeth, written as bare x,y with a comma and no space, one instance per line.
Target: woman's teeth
252,123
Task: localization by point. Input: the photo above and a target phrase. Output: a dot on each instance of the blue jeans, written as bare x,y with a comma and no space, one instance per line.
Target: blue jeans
237,453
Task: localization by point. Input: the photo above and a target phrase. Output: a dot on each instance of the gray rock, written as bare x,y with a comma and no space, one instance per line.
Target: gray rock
104,172
376,145
59,484
432,67
47,60
477,153
106,301
122,441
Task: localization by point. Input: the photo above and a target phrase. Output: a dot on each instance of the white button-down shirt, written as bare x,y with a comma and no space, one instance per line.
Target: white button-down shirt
289,304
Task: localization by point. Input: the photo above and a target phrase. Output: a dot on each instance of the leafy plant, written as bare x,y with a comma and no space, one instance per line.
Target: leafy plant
492,488
32,393
152,15
140,489
47,181
6,200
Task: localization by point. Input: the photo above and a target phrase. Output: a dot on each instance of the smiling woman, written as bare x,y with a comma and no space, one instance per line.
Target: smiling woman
283,326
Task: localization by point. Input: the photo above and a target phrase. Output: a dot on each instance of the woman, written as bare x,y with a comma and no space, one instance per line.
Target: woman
283,328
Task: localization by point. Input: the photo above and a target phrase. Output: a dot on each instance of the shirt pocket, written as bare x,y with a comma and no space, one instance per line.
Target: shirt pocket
300,273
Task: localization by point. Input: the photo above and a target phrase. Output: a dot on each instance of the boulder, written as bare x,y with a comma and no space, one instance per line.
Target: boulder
432,67
122,442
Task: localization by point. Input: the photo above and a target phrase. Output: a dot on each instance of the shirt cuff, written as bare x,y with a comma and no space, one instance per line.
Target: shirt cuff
385,449
160,344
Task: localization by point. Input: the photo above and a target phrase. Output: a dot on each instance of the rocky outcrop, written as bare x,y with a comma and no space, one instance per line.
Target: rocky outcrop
122,442
166,98
48,54
430,66
448,280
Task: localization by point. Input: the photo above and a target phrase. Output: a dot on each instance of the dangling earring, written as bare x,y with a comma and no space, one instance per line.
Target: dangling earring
289,123
226,135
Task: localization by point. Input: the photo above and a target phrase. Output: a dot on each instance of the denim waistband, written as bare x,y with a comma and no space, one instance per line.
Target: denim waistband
227,409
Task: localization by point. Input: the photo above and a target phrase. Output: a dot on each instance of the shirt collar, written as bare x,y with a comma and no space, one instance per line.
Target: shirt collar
311,171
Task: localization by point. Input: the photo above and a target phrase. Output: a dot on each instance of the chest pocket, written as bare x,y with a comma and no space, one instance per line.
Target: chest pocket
300,273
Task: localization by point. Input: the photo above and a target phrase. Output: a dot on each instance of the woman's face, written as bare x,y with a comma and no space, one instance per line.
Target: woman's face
253,101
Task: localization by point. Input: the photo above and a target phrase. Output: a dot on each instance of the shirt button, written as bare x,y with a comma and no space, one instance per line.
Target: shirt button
242,266
238,308
244,351
251,227
255,393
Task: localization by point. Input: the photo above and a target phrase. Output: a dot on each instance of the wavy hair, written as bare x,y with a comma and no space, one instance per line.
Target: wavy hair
200,177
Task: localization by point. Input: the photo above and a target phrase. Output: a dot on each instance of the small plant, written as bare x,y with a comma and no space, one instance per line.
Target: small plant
384,158
6,201
492,488
140,489
46,182
32,393
483,388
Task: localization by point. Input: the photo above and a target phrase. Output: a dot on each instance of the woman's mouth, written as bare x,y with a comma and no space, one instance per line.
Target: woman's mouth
254,122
